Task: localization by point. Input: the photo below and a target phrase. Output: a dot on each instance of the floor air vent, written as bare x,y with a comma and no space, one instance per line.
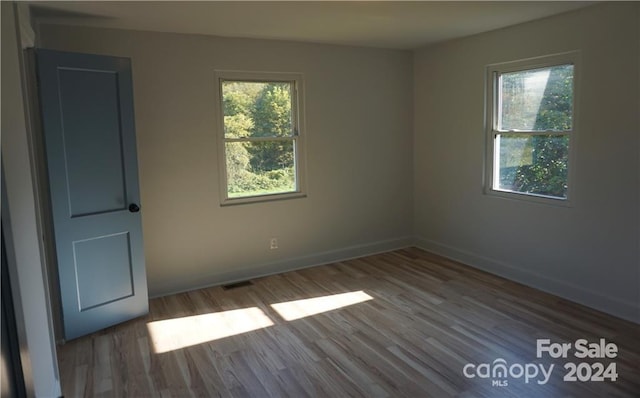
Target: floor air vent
237,285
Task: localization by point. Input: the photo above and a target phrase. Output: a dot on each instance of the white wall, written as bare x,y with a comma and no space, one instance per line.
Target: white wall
359,126
588,252
20,223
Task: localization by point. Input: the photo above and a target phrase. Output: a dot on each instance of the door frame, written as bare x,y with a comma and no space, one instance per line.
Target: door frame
21,200
14,383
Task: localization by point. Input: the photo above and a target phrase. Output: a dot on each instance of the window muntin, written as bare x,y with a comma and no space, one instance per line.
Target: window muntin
261,151
531,125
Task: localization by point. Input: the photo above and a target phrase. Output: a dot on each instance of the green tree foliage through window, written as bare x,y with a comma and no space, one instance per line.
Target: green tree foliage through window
272,117
538,101
259,137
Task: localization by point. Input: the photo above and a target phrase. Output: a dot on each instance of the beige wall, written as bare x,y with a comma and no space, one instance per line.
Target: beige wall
359,126
377,175
588,252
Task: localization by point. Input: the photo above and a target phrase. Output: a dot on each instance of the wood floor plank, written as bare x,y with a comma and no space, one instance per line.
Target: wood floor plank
417,321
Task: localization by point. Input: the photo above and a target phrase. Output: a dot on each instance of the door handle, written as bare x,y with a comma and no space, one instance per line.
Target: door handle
134,208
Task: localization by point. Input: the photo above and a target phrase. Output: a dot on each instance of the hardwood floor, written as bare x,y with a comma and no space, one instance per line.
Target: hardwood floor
403,324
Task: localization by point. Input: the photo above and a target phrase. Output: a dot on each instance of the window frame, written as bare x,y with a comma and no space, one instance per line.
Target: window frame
297,138
492,114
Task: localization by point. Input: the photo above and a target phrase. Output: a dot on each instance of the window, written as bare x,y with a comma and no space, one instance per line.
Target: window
531,125
260,138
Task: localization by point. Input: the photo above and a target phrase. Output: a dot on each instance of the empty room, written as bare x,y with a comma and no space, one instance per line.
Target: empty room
320,199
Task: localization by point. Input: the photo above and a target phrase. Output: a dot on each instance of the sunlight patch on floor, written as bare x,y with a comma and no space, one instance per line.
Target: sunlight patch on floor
291,310
176,333
173,334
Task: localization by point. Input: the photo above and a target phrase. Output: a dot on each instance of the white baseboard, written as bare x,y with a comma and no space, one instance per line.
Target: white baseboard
621,308
271,268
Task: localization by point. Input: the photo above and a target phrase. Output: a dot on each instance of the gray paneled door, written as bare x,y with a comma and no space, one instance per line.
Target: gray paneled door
87,114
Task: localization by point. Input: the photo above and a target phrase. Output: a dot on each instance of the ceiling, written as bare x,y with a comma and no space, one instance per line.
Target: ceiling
383,24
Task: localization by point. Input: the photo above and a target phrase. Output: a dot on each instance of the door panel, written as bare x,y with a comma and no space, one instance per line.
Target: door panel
104,270
94,159
87,113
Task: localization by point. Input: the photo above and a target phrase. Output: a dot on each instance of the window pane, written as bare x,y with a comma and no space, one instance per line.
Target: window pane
257,109
537,99
535,164
260,168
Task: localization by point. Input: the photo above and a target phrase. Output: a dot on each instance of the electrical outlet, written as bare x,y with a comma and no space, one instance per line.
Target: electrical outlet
273,243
